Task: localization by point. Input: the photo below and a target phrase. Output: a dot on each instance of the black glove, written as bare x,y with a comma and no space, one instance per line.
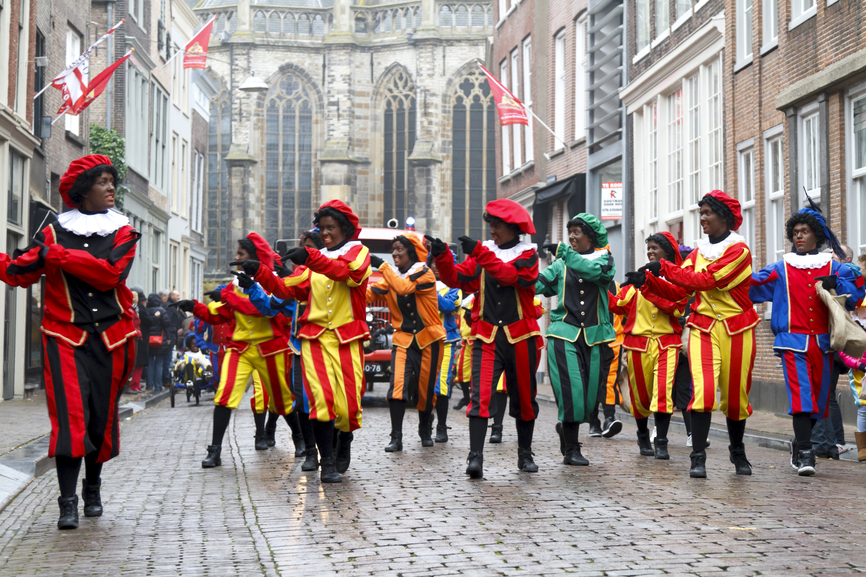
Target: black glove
635,279
298,255
437,247
828,282
375,261
551,248
468,244
862,367
251,267
214,295
279,304
244,280
282,271
184,305
654,267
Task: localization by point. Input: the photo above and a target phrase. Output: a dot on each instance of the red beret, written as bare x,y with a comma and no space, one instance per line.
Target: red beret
512,213
678,258
732,204
264,252
76,167
343,208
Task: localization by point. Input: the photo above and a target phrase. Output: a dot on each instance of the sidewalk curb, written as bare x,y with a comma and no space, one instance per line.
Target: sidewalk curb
29,461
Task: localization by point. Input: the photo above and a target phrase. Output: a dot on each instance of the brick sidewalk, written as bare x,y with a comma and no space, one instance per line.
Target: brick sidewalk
416,513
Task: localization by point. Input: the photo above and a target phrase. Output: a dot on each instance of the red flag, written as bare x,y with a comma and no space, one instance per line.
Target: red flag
73,85
97,85
195,52
510,109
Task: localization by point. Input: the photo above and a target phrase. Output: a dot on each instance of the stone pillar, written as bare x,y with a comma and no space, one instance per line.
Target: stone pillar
244,213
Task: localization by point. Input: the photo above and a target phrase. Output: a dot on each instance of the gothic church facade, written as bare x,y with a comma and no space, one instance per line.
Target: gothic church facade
379,104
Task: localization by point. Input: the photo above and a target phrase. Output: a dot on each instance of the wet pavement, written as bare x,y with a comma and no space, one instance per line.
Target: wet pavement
415,512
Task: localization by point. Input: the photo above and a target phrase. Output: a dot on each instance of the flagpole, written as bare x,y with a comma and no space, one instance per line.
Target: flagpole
490,74
176,54
87,90
75,63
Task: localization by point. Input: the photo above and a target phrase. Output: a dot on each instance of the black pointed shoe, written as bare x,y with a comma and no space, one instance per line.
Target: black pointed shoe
68,512
738,458
213,457
396,443
699,465
344,451
311,463
525,462
271,435
561,434
92,498
574,457
261,441
300,446
661,452
496,434
475,465
329,472
806,462
643,442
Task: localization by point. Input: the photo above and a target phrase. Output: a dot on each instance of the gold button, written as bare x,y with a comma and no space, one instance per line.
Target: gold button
720,316
90,294
581,324
499,303
581,302
582,313
581,292
94,310
580,280
810,309
810,272
411,314
96,324
86,245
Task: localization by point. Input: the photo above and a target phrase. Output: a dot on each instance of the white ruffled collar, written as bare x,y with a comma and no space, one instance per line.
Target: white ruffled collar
509,254
333,254
412,269
598,253
102,224
808,261
440,286
712,251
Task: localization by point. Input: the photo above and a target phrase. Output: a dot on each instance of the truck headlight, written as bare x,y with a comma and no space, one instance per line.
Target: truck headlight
369,317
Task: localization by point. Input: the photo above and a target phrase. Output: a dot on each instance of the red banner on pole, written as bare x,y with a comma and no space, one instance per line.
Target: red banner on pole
99,82
510,109
195,52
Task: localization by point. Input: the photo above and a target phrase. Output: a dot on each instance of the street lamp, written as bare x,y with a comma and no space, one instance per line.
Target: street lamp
253,85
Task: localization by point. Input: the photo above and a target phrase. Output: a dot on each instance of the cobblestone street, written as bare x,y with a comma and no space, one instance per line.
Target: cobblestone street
415,512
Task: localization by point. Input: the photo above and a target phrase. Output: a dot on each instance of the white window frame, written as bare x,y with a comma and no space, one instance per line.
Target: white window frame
857,184
746,189
675,153
580,62
506,141
517,129
136,127
663,23
809,153
527,98
503,10
802,10
743,32
643,28
774,192
559,90
652,123
715,126
770,24
694,187
160,150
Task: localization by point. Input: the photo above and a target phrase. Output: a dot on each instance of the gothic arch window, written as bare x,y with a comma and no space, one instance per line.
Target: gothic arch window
288,160
473,168
399,140
216,202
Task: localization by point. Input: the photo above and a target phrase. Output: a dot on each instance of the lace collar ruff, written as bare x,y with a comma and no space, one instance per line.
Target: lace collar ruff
509,254
712,251
333,254
598,253
808,261
102,224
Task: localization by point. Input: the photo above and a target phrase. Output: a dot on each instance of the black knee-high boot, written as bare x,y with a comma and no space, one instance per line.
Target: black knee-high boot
524,446
500,403
643,438
221,418
701,422
663,423
90,485
477,434
67,476
736,431
311,462
324,433
571,452
297,435
261,436
271,429
441,420
397,409
425,428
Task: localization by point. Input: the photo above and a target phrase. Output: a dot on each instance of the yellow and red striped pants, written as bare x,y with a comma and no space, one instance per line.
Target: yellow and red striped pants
280,402
651,379
721,362
237,368
334,380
